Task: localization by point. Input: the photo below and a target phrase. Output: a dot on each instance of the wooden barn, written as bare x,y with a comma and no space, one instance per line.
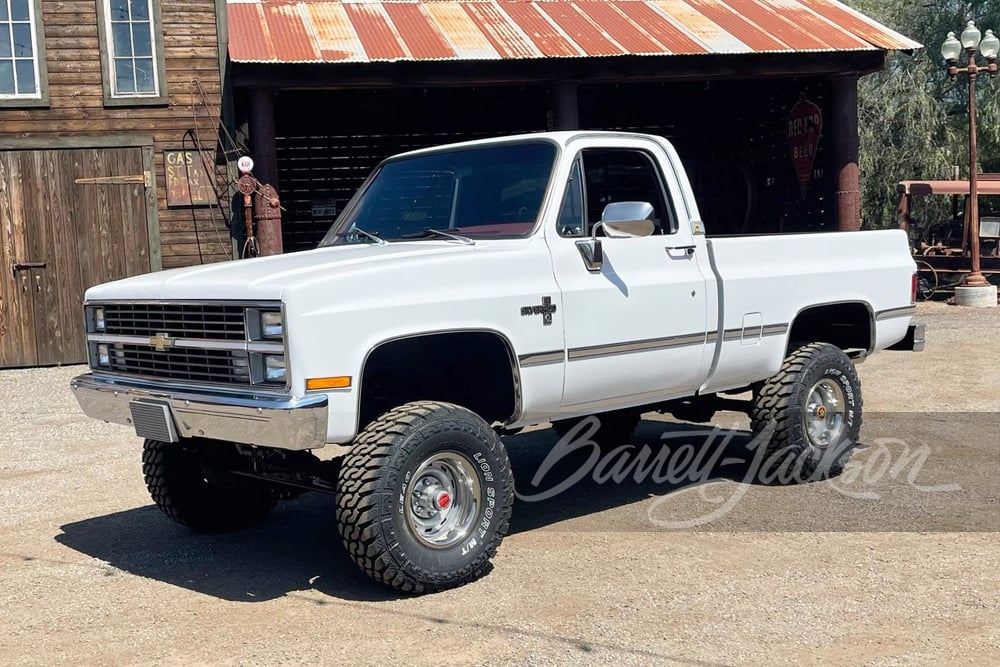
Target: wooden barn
103,106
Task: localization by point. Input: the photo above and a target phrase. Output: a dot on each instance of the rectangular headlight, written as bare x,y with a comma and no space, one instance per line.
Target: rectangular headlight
103,357
99,319
271,325
274,368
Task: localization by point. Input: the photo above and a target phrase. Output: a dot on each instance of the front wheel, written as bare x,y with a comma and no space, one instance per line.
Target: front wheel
424,497
190,482
807,418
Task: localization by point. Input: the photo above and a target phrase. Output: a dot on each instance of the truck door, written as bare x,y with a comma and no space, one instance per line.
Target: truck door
635,329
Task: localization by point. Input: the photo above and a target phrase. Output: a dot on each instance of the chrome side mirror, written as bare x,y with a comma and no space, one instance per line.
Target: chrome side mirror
624,220
627,219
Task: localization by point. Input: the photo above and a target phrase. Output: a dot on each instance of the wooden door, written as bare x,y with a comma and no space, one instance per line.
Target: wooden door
69,219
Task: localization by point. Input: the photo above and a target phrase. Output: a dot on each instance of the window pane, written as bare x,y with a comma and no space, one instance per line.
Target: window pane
119,10
140,10
3,11
19,10
5,51
571,216
25,76
144,75
122,38
22,40
143,40
124,78
6,77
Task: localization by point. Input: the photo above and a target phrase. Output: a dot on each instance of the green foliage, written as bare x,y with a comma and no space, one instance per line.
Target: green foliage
914,121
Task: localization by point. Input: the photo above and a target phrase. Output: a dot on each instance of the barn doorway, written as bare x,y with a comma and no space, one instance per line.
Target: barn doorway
69,219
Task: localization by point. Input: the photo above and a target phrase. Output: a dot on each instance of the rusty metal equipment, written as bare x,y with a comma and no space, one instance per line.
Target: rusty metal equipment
942,248
261,217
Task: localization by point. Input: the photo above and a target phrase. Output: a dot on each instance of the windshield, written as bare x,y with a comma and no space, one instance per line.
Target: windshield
487,192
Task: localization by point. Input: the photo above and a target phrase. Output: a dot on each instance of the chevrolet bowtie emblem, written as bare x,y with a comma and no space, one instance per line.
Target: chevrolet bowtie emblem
161,341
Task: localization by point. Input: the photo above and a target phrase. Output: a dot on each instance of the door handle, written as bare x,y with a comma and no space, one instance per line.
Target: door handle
24,266
688,249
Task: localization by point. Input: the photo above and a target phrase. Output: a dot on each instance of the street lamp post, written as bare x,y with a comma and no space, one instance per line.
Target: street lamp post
951,50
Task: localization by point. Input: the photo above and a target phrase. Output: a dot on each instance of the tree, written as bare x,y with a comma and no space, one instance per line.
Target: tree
913,121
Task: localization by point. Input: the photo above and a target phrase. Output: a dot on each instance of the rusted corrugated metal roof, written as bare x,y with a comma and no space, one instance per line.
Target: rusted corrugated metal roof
309,31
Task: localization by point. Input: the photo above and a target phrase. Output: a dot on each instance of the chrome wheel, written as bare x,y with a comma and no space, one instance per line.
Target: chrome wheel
825,413
442,500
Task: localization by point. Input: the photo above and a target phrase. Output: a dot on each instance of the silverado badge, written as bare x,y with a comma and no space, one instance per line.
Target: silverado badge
545,310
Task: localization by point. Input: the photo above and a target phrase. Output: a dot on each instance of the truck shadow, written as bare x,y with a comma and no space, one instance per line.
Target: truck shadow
300,549
557,480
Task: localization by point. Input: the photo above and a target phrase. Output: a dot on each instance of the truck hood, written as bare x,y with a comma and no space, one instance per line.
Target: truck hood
270,278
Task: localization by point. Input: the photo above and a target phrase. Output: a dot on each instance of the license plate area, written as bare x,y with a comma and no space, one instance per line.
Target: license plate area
152,419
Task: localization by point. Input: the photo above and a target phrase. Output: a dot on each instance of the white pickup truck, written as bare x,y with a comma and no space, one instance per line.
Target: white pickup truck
465,292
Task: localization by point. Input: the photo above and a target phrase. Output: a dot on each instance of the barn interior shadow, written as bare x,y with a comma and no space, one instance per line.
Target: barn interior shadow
299,548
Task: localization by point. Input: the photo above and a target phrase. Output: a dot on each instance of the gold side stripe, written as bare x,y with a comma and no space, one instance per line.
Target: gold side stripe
766,330
891,313
542,358
637,346
651,344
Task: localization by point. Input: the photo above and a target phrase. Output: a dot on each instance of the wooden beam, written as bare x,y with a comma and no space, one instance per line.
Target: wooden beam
330,76
152,212
565,106
99,141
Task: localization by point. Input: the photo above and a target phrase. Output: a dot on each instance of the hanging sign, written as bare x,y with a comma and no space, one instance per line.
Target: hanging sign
805,125
188,182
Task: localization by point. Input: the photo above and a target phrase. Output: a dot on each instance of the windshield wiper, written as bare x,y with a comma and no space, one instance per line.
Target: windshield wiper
448,235
369,235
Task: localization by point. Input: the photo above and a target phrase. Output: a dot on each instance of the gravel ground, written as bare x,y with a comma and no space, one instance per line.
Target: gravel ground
892,564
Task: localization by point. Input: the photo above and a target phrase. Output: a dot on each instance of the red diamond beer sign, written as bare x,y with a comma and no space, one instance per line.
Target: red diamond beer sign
805,124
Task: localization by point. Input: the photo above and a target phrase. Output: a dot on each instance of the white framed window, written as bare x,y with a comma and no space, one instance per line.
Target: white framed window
22,54
132,52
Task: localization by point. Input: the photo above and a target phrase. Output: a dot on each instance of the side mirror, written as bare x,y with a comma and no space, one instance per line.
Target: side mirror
627,219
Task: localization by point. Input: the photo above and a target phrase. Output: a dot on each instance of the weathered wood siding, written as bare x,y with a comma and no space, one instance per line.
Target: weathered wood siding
190,43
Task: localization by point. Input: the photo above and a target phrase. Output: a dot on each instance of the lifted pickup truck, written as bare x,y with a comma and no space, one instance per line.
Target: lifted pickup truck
465,292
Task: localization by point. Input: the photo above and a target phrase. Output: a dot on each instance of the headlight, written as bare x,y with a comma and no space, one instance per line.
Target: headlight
103,357
99,319
274,368
271,325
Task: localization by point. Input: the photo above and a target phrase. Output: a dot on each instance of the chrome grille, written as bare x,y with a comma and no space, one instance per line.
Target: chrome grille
205,321
183,363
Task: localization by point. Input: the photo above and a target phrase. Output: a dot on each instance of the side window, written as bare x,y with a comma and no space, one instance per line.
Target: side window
571,215
23,80
618,175
131,52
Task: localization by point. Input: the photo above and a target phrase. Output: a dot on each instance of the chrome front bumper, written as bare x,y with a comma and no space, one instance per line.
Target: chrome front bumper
252,419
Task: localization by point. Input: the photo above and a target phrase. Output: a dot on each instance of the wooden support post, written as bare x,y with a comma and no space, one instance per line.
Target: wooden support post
565,106
845,151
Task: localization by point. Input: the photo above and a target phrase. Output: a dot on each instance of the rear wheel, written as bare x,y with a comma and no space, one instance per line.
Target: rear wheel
190,482
424,497
808,416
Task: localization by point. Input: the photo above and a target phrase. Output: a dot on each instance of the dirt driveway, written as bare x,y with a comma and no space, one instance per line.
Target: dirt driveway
895,563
